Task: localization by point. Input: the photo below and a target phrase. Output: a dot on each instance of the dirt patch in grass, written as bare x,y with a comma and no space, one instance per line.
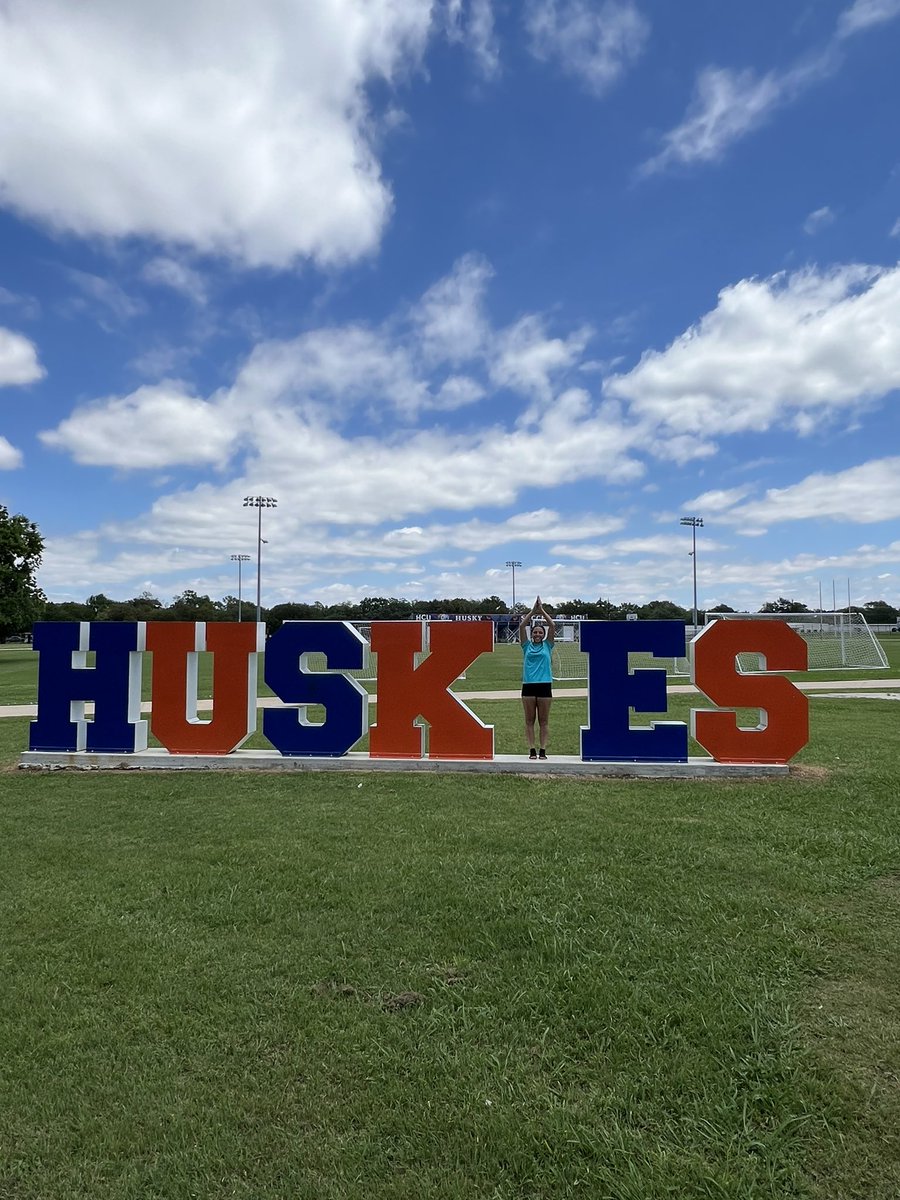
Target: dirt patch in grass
807,773
402,1001
327,988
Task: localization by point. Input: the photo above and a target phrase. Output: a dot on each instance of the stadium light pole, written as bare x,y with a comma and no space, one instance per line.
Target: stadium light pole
694,523
240,559
259,503
512,564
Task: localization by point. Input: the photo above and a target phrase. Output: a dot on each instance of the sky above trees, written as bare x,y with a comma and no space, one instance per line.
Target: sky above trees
459,283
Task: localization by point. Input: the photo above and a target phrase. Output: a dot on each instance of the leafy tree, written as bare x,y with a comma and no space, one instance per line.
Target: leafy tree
229,606
148,606
66,610
340,612
145,607
99,606
879,612
573,608
605,610
459,604
383,608
721,608
21,548
188,606
663,610
781,605
492,604
279,613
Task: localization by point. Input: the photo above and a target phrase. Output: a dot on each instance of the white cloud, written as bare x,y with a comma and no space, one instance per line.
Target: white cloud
18,360
864,14
331,377
167,272
153,427
456,392
103,297
895,228
482,37
726,106
593,44
363,481
526,359
541,526
662,547
790,350
717,500
818,220
450,316
326,423
294,408
10,457
248,137
862,494
74,565
334,370
473,25
29,306
322,477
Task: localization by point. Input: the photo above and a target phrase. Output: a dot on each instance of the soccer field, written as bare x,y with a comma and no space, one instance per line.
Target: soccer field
384,987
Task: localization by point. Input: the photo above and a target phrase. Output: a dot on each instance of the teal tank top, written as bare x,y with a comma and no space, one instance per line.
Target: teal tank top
537,661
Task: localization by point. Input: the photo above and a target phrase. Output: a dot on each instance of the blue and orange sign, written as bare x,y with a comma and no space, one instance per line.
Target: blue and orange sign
410,693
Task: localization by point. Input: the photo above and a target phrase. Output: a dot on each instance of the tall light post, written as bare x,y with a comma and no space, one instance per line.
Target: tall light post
259,503
694,523
513,563
240,559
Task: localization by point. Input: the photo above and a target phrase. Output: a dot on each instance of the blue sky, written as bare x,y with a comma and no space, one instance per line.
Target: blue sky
457,282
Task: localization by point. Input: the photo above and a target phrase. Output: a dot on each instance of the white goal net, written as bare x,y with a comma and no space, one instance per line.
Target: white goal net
570,662
836,640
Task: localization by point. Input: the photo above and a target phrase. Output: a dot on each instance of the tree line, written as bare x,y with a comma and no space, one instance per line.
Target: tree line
189,606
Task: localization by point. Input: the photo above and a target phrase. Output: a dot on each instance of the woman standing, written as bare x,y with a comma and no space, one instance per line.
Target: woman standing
537,674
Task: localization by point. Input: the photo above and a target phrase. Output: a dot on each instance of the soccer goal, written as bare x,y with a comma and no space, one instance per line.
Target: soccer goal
570,662
836,640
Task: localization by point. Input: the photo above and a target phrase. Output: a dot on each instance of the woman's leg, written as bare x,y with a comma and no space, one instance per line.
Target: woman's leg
529,705
543,715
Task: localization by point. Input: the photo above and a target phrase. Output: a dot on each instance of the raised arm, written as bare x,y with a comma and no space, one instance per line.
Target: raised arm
551,624
525,623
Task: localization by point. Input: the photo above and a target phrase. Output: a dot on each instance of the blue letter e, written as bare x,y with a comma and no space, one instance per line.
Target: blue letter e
613,690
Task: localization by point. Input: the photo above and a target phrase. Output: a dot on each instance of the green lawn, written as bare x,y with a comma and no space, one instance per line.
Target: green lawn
377,986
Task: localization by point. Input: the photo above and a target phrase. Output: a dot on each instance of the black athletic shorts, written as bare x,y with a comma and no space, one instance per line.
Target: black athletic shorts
543,691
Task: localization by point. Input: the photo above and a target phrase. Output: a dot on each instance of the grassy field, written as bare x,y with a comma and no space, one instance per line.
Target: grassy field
383,987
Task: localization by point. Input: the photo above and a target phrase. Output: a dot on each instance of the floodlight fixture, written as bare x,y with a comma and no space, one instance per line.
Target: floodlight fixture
259,503
512,564
694,523
240,559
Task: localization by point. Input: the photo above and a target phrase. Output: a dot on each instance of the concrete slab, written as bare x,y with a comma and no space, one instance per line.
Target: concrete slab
502,764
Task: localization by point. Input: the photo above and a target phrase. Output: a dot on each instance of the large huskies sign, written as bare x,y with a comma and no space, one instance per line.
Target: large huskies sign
412,690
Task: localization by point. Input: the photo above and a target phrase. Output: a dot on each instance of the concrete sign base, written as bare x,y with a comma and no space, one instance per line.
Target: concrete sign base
501,764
